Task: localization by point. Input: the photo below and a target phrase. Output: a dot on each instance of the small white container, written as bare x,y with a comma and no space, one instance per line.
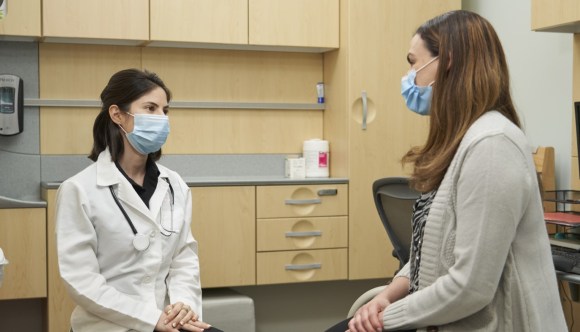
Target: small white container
295,167
3,261
317,158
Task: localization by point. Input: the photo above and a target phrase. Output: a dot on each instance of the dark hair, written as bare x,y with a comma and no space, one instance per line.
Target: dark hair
472,79
124,88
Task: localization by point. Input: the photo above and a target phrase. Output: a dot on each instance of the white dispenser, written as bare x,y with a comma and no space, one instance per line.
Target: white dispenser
317,158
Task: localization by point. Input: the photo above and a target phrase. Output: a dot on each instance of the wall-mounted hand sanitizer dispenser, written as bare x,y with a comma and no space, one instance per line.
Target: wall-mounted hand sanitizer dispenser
11,105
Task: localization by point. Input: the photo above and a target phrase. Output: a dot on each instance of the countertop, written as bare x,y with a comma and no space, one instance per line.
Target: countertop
238,181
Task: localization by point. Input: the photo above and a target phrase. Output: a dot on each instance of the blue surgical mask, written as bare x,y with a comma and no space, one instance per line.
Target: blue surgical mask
149,132
417,98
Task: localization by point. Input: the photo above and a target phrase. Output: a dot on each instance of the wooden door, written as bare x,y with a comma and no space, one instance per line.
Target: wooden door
59,305
23,241
306,23
378,42
121,20
22,19
200,21
224,224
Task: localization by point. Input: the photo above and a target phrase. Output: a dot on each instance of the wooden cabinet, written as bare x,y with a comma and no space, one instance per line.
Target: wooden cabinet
59,305
302,233
115,21
367,69
22,19
23,241
306,23
200,21
556,15
310,25
224,224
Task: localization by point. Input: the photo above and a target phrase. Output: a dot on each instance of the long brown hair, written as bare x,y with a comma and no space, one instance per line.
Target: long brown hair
472,79
124,88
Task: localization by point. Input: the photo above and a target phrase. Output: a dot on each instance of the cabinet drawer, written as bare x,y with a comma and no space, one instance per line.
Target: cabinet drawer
301,266
302,233
302,200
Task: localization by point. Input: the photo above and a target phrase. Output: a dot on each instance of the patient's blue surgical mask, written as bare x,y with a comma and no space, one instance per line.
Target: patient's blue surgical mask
149,132
417,98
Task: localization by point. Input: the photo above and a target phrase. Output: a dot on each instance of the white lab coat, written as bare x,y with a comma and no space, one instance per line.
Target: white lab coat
117,288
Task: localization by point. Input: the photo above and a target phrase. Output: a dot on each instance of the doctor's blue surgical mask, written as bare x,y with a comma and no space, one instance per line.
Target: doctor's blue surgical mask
149,132
417,98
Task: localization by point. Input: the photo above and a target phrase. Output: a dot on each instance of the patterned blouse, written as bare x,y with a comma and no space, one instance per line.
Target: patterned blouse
420,213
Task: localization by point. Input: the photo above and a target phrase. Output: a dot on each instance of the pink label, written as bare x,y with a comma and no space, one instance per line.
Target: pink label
322,159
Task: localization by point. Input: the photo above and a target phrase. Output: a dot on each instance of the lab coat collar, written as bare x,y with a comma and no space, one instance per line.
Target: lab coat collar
109,175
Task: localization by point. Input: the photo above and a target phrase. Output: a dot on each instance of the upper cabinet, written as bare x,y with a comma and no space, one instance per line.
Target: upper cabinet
22,19
200,21
109,21
556,15
306,23
285,25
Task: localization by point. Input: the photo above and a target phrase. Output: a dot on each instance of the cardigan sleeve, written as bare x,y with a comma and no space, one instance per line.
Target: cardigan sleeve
493,186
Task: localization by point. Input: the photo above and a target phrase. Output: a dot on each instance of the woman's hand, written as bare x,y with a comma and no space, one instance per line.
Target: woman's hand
180,316
368,318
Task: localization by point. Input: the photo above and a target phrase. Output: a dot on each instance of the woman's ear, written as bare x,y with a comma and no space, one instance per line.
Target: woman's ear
115,114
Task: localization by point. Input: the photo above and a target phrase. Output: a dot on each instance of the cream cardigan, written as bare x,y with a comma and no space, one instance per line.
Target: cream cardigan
486,263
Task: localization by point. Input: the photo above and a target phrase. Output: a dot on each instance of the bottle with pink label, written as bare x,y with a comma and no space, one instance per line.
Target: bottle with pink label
317,158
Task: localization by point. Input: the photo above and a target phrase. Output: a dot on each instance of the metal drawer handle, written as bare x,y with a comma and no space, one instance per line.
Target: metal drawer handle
302,201
300,267
365,110
327,192
303,234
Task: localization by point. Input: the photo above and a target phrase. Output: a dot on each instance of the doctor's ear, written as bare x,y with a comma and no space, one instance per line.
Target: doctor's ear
115,114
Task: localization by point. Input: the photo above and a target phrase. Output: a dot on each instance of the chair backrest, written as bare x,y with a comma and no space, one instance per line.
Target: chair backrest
394,200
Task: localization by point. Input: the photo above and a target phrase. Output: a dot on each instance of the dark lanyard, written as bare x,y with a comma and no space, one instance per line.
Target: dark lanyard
125,212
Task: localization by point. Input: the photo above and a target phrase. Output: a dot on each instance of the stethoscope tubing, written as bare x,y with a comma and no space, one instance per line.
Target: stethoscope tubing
140,242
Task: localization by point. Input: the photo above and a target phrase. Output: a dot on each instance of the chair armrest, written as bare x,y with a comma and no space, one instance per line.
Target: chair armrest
363,299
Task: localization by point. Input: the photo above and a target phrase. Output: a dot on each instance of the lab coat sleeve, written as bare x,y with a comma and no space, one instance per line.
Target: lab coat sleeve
493,189
183,281
79,267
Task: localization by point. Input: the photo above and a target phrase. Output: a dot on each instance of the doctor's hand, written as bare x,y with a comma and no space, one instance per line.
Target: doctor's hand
178,317
369,317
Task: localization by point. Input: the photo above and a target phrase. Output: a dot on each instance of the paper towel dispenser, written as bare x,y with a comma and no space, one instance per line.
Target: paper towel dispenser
11,105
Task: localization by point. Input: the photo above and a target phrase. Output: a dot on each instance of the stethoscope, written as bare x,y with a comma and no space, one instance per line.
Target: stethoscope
141,241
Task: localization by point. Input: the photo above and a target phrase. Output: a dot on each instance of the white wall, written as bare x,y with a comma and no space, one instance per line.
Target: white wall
541,77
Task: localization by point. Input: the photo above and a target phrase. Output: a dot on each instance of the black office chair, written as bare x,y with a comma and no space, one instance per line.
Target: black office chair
394,200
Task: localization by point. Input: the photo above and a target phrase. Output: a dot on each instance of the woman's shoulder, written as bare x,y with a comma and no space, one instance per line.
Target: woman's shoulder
494,124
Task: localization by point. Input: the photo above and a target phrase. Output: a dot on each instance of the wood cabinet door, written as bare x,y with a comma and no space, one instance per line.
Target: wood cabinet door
200,21
59,305
224,225
379,36
105,19
556,15
307,23
23,241
22,19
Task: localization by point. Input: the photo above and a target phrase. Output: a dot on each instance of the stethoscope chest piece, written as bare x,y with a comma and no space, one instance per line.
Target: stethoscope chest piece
141,242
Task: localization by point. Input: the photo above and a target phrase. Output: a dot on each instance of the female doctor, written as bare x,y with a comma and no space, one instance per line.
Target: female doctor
125,249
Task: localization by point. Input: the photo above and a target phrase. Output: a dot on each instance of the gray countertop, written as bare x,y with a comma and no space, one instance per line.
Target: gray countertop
12,203
238,181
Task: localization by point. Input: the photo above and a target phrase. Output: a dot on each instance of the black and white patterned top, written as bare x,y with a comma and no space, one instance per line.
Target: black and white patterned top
420,213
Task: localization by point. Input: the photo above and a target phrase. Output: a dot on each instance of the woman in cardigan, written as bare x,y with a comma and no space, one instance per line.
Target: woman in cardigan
480,256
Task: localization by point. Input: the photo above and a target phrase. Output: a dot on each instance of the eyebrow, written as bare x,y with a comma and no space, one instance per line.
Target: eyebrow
165,108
